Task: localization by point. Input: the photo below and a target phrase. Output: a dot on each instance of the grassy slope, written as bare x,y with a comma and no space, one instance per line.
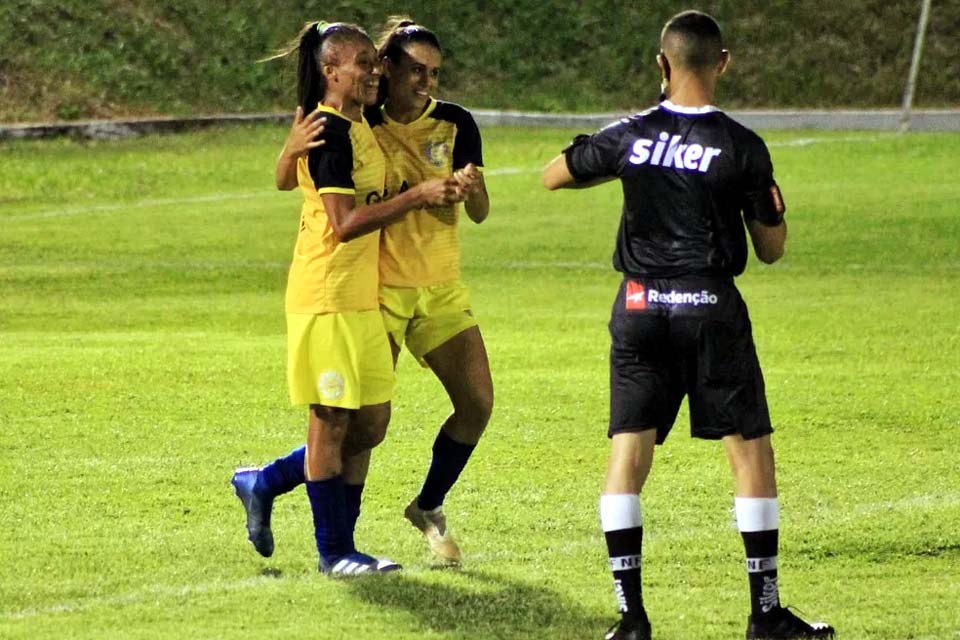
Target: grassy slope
84,58
141,359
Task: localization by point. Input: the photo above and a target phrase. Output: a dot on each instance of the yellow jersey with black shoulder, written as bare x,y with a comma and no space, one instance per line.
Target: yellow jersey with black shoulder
423,248
327,275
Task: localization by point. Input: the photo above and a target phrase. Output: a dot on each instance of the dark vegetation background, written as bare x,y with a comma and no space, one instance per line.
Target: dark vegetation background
70,59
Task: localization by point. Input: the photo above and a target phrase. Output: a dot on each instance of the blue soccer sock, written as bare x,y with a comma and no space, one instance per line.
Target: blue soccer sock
328,502
353,493
449,459
282,475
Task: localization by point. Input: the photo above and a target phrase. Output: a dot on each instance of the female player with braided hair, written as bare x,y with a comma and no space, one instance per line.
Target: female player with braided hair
339,358
422,300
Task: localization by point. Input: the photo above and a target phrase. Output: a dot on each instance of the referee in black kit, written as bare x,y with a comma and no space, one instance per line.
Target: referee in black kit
692,177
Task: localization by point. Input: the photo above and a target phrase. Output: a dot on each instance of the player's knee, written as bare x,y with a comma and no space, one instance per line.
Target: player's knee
372,430
478,409
375,434
332,422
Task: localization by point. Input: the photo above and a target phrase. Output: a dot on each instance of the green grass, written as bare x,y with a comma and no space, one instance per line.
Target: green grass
142,356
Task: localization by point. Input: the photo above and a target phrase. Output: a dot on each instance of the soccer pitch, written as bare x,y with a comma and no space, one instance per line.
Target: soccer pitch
142,356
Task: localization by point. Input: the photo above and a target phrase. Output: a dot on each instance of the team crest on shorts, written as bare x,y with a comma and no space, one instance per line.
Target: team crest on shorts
436,153
330,385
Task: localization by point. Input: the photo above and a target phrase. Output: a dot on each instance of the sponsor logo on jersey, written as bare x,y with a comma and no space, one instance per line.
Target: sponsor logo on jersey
436,152
374,196
666,151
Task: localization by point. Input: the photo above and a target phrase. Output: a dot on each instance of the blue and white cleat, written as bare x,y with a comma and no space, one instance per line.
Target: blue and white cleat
356,563
258,510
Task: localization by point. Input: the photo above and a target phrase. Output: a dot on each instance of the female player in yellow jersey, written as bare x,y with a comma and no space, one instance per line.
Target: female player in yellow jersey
422,300
339,358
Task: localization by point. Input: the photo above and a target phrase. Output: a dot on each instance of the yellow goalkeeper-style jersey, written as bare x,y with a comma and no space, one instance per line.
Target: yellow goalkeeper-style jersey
423,248
327,275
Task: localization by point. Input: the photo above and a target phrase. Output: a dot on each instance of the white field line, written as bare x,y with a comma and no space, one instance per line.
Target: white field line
805,142
134,597
919,502
138,204
222,197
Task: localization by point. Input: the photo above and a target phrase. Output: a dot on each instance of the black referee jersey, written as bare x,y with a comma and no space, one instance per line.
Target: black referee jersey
687,174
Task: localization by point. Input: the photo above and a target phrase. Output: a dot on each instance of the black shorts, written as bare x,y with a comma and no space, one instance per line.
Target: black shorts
691,335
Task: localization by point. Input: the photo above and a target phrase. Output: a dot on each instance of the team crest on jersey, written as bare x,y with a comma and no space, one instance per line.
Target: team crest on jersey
436,153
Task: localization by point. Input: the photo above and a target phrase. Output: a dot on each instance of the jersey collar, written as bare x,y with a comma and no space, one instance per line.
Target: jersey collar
426,112
689,111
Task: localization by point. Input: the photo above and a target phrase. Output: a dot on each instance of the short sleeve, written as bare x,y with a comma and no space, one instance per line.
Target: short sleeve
331,165
467,146
762,200
597,155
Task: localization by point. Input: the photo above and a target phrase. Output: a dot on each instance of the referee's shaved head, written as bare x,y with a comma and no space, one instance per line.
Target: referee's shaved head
692,40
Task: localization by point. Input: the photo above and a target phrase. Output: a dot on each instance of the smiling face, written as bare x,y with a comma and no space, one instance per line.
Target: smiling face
353,75
415,76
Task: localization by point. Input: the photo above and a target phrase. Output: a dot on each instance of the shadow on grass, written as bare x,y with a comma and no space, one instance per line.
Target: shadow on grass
483,606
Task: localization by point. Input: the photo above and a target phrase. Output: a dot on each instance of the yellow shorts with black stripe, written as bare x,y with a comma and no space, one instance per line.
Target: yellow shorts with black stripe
338,359
424,318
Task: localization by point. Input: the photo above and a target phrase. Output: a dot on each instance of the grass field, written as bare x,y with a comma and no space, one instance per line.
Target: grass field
142,358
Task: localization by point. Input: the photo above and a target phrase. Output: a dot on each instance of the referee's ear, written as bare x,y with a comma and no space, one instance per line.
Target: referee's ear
724,61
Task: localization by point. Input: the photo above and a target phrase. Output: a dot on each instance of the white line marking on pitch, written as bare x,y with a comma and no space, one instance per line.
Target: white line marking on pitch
805,142
220,197
140,204
134,597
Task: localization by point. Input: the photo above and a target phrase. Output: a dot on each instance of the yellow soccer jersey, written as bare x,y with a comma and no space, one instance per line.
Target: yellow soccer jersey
422,248
327,275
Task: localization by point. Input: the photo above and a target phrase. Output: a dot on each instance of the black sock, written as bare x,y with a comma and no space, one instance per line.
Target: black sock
761,547
449,459
624,547
623,530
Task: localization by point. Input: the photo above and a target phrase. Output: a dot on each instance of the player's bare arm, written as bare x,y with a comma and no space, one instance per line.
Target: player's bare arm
768,242
557,175
303,136
349,221
477,201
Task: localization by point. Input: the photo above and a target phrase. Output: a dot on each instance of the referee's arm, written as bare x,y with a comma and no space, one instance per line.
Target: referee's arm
557,175
768,242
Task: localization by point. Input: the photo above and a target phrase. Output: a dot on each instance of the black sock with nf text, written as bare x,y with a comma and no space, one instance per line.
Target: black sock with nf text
624,550
761,547
758,520
623,529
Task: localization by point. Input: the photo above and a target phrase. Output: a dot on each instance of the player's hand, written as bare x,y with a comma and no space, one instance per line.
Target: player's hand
470,178
304,133
440,192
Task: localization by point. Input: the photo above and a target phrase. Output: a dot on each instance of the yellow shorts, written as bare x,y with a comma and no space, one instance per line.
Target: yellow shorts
338,359
425,317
